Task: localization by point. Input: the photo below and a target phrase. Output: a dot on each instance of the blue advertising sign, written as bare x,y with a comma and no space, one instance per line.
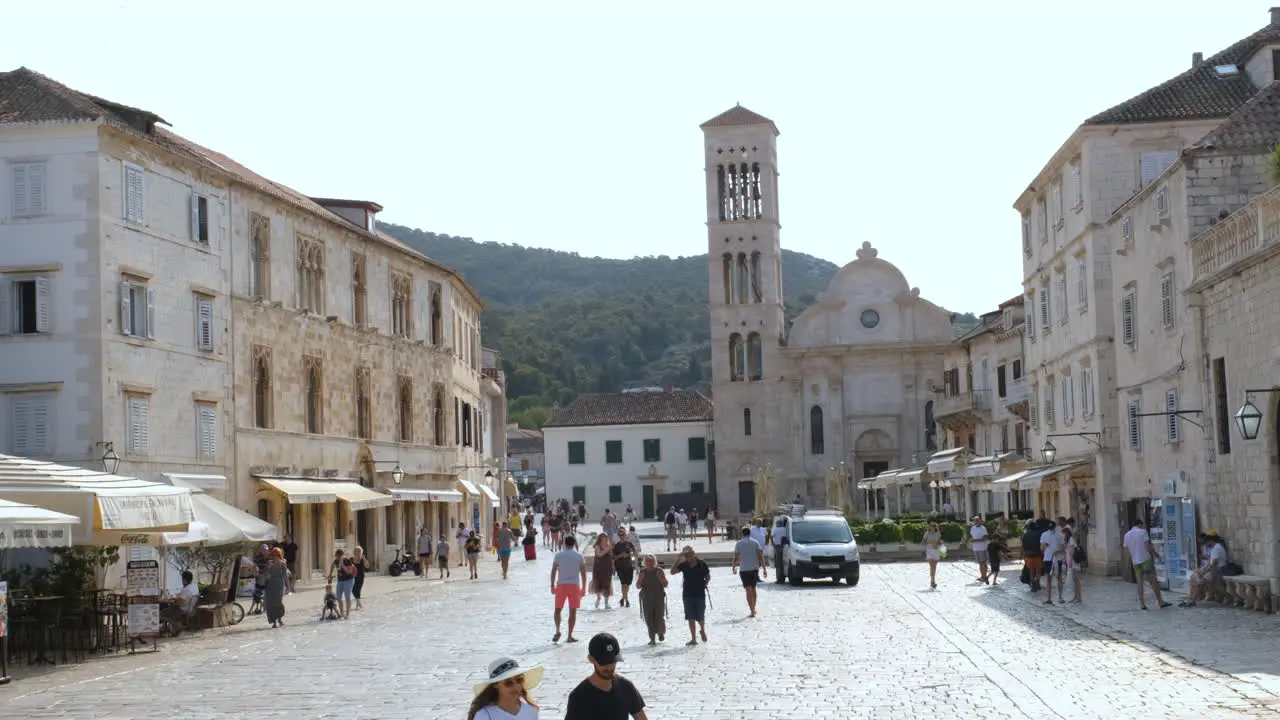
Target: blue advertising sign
1175,564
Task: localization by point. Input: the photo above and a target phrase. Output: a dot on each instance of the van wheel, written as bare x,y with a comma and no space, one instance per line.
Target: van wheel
795,578
852,580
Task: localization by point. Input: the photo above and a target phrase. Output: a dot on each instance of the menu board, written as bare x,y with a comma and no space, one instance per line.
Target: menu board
142,583
4,608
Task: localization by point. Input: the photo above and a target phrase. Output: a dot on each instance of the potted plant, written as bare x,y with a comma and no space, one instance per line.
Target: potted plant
888,537
913,536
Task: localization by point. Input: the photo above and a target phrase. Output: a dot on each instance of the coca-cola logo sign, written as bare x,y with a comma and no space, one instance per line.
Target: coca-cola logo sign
135,539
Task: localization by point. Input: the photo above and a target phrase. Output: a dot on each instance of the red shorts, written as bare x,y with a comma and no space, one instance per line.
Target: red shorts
569,593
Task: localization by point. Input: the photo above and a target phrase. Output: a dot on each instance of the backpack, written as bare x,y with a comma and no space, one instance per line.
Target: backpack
1031,543
671,518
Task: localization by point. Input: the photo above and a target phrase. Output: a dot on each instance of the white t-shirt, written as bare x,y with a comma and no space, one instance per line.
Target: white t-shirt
779,534
758,534
1071,551
1217,556
493,712
1135,541
978,533
1051,540
569,563
190,595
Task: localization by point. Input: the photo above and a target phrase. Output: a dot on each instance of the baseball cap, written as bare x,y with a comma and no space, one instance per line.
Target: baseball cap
604,649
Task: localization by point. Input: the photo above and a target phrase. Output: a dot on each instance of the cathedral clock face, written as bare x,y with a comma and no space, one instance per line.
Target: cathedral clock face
870,319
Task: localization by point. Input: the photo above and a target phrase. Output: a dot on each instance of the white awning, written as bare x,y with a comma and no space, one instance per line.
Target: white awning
410,495
468,486
885,479
449,496
360,497
981,467
204,482
302,492
1032,481
28,526
1009,480
492,495
868,484
911,475
945,461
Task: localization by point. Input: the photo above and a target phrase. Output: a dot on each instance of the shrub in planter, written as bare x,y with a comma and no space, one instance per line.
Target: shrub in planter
913,532
865,535
887,534
952,532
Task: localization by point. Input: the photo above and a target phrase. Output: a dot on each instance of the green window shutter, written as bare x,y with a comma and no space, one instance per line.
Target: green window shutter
653,450
697,488
697,448
577,453
613,452
615,493
579,493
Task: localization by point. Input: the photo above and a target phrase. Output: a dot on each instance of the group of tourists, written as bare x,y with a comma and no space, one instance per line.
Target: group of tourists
681,525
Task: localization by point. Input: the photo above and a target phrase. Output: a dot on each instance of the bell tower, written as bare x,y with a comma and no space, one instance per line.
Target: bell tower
744,259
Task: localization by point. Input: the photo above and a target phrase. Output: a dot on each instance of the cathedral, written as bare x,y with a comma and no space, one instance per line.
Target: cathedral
850,381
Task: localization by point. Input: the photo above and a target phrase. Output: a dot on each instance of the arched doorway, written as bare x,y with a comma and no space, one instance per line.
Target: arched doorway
365,522
875,452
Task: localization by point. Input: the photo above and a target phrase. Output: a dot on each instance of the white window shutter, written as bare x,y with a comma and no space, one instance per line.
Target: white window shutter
1166,300
204,323
40,430
1026,235
1062,296
21,191
195,217
36,189
151,312
1029,319
1126,317
1135,436
1082,283
42,305
134,194
1172,423
126,308
1153,164
6,306
207,439
139,410
1077,188
20,425
1044,307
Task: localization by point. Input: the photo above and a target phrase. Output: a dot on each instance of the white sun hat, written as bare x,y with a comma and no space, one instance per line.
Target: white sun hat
504,668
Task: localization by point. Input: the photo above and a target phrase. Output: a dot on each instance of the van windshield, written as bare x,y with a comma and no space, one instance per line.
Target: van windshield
809,532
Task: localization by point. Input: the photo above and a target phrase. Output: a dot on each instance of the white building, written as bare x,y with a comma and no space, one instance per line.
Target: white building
630,448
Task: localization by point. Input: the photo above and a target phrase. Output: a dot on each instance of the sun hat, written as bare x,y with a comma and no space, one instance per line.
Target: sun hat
1212,534
504,668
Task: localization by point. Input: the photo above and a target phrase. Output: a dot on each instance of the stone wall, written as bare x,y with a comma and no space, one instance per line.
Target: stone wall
1222,183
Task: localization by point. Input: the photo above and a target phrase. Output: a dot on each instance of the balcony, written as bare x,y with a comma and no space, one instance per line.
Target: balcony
969,408
1240,235
1015,397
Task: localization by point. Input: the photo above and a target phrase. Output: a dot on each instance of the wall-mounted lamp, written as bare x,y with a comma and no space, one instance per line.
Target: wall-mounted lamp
110,460
1249,417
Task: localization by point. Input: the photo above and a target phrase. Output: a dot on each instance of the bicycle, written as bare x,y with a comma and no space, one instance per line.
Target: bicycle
232,613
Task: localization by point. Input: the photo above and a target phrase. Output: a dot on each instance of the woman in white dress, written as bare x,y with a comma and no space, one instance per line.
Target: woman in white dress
933,551
504,695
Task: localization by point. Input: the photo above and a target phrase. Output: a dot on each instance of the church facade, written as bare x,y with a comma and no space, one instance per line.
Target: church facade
849,385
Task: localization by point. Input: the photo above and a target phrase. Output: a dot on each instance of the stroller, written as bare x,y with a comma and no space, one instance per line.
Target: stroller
330,610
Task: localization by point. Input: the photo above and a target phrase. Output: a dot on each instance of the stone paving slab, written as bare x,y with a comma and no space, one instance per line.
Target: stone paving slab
889,648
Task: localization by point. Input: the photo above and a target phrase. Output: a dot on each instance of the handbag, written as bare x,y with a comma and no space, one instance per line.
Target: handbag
1025,577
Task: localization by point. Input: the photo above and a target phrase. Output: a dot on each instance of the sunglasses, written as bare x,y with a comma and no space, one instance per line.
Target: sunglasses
513,682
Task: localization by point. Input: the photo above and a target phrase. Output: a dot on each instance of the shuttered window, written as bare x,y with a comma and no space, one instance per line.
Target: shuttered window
577,452
1173,425
1044,307
1127,320
138,410
1135,425
204,322
1167,316
613,452
24,306
29,423
1062,296
1077,187
29,190
1034,409
137,309
207,431
1082,283
1030,318
1086,392
134,194
653,450
1068,397
1026,234
1152,165
200,219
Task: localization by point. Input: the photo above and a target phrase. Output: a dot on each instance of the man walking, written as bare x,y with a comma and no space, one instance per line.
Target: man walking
1051,545
506,539
697,575
780,531
978,541
1032,555
568,584
758,534
669,524
1141,554
605,695
748,555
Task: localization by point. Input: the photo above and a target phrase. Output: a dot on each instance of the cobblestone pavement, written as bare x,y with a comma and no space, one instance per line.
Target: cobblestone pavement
887,648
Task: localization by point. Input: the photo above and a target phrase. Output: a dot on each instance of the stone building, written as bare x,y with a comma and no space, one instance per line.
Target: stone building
209,323
981,405
848,385
1112,355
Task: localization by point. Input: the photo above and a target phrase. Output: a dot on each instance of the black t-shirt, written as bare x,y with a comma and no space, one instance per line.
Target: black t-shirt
588,702
696,576
622,553
290,551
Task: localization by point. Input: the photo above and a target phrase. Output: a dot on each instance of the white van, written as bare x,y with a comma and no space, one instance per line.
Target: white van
819,545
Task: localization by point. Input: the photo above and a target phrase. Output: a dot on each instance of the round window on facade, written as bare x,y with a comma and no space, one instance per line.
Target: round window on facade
870,319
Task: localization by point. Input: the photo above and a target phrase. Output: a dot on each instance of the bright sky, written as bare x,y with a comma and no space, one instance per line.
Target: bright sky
574,125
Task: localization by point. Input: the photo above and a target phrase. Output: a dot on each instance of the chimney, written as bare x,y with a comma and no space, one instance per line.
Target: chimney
1275,16
1197,58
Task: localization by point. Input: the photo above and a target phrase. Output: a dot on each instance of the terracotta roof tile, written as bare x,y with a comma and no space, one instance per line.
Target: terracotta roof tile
1255,127
738,115
634,408
1197,94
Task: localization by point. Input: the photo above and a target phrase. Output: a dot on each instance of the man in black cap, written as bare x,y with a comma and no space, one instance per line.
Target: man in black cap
605,695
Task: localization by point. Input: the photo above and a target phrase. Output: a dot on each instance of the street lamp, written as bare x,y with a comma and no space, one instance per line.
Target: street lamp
397,474
1249,420
1048,452
488,475
110,460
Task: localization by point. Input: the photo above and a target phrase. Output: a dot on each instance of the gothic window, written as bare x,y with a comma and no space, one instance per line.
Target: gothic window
757,197
816,444
722,195
746,421
727,271
311,275
359,291
405,396
401,305
437,316
737,358
735,209
466,424
744,279
742,198
755,357
261,387
757,288
313,375
364,405
260,256
437,415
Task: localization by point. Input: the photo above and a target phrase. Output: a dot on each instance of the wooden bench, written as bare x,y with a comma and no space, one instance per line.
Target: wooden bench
1247,591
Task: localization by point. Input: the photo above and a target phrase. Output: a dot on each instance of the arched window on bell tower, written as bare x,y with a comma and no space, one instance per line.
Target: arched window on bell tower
727,274
757,286
744,279
755,357
737,358
817,446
